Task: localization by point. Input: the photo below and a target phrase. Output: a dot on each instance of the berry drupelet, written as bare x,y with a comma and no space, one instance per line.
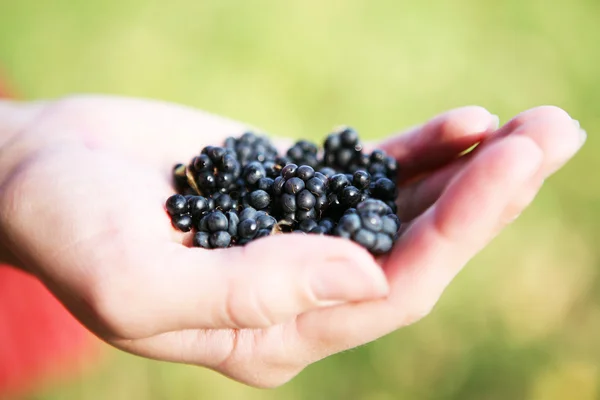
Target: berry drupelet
304,152
372,224
251,147
179,211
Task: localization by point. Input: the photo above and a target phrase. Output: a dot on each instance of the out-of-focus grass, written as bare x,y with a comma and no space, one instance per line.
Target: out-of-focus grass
521,322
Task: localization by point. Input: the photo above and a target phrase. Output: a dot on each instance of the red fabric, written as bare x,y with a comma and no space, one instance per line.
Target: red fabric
39,339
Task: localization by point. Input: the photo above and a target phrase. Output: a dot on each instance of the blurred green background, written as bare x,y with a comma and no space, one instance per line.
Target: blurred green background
523,320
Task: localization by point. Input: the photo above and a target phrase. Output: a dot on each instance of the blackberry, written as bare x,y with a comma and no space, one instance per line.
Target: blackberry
199,206
254,224
179,211
216,230
300,193
245,190
303,152
251,147
342,149
216,170
384,189
372,225
343,194
382,165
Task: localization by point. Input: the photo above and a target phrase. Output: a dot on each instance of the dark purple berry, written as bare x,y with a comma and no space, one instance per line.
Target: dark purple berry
301,215
308,225
350,223
219,239
198,206
289,171
316,185
288,203
201,240
216,221
389,225
262,233
253,172
176,205
265,184
305,172
294,185
337,182
384,189
278,185
365,238
383,244
259,199
183,222
247,228
372,222
223,202
361,179
232,223
202,163
266,222
247,213
305,200
350,196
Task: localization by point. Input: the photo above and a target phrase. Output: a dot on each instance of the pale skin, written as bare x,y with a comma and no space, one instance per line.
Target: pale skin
83,182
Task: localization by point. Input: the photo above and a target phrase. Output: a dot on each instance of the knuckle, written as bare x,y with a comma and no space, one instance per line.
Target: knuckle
244,307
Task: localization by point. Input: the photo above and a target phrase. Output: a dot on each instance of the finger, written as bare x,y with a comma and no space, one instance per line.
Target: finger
556,134
440,140
262,284
256,357
431,252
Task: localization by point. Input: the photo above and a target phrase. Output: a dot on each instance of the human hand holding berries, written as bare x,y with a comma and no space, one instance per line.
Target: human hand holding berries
83,181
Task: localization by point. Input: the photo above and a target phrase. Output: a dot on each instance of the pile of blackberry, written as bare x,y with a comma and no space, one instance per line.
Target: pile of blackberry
244,190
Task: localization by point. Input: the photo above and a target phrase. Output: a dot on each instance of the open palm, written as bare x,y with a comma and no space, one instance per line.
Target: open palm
82,187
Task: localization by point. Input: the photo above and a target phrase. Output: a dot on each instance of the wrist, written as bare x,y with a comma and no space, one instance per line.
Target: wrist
15,117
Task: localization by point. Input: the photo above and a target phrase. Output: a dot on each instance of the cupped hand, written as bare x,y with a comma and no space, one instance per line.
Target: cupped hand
83,182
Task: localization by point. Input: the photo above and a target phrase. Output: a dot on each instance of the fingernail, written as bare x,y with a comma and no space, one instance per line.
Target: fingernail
495,123
345,280
582,137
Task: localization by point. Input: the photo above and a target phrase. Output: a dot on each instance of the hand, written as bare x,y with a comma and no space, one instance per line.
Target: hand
82,187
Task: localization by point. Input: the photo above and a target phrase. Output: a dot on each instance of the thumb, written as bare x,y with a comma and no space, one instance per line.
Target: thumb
274,279
267,282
